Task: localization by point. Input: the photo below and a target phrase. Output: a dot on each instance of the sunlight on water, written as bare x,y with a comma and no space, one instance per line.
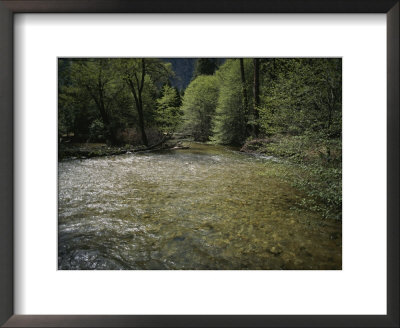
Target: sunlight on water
206,207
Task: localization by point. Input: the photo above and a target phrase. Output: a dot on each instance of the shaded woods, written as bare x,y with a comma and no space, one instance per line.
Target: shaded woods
289,108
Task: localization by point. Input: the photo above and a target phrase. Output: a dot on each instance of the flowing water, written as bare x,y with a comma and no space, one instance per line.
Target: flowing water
207,207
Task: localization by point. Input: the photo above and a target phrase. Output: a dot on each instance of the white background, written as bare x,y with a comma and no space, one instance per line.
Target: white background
360,288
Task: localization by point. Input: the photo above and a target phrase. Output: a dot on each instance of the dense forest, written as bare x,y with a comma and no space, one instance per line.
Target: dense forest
289,108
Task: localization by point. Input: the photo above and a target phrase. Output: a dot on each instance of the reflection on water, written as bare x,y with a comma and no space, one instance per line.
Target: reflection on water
206,207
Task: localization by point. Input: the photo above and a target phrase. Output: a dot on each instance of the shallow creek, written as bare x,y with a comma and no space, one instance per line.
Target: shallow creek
207,207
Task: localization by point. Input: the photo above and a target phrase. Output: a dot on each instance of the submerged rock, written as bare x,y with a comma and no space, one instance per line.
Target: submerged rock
276,250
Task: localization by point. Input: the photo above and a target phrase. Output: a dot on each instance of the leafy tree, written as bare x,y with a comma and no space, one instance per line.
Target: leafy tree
92,84
96,131
169,115
302,97
66,111
135,73
231,120
199,103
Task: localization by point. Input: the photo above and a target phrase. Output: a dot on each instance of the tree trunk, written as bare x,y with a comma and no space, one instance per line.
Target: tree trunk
99,101
244,91
139,101
140,108
256,91
141,124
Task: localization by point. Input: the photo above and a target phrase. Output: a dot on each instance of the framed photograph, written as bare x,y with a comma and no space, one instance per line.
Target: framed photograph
213,163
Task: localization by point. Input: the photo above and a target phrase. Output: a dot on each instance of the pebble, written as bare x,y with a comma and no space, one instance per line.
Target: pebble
275,250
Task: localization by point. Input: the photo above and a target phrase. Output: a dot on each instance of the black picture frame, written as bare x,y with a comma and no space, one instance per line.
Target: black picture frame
7,10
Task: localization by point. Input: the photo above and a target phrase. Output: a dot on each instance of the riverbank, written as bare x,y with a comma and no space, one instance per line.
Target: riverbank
297,149
316,170
90,150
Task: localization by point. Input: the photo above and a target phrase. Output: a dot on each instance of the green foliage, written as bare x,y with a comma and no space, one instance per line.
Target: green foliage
199,103
94,91
301,118
302,96
149,97
169,115
66,113
96,131
301,109
91,91
322,186
232,117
